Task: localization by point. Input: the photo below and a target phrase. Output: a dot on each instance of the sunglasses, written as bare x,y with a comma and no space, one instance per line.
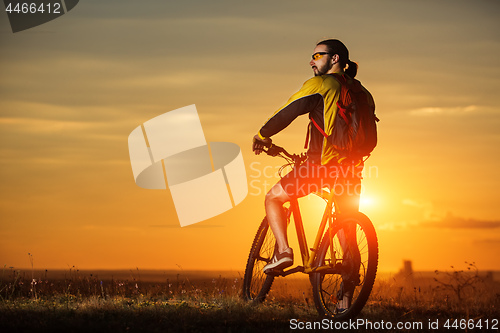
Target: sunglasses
318,55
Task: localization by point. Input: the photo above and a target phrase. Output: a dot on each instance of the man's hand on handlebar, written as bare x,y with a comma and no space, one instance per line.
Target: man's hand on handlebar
259,144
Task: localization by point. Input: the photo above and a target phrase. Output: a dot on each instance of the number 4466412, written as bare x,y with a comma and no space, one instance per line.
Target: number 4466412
33,8
471,324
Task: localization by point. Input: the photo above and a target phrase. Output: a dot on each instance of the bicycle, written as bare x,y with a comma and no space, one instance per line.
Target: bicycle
342,264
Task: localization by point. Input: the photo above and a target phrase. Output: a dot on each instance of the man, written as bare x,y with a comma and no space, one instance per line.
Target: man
318,99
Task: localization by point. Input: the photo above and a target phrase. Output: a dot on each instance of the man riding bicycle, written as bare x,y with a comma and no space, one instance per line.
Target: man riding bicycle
318,98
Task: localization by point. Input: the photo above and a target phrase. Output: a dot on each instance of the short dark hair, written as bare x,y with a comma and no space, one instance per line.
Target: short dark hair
335,46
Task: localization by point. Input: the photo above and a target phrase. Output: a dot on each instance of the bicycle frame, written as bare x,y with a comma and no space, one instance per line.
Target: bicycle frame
342,263
309,257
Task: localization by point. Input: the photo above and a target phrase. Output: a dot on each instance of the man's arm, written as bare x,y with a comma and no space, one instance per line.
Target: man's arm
302,102
281,119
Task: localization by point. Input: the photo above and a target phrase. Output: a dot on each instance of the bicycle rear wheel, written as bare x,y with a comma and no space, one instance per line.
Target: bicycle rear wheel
256,283
353,255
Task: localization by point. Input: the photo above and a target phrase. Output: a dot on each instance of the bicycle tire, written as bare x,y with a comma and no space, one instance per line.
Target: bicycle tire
328,288
256,284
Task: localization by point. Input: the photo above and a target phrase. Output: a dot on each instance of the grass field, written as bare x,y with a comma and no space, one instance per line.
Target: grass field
184,301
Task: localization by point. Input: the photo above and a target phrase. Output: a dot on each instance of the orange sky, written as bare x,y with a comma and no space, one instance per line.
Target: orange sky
72,90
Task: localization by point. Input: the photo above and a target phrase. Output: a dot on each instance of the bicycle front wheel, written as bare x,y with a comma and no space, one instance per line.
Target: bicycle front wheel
256,283
351,249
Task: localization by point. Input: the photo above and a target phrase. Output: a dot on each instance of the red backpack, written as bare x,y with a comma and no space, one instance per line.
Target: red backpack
355,125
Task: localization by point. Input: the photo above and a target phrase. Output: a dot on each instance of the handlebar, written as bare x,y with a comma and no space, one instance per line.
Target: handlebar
274,150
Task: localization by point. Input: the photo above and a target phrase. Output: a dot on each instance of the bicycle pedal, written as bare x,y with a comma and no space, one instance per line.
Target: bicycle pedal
296,269
284,273
273,272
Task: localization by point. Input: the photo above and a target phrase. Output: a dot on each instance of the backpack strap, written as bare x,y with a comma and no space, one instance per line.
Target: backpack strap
342,109
309,130
342,112
341,78
319,128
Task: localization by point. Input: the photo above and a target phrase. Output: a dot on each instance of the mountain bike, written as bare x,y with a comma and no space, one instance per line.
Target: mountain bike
341,265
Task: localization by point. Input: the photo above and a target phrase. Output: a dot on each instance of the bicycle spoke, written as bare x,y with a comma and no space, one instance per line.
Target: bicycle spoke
342,295
266,260
256,284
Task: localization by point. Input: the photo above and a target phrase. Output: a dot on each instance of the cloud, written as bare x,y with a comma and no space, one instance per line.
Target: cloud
431,217
176,226
426,207
455,222
488,242
456,110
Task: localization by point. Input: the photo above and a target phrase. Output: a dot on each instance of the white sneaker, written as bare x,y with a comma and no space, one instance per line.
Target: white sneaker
280,261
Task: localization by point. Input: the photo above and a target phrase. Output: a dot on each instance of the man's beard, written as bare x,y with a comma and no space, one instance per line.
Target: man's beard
321,71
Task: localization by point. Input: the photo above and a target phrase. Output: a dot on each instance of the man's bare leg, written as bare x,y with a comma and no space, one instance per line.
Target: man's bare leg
275,213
